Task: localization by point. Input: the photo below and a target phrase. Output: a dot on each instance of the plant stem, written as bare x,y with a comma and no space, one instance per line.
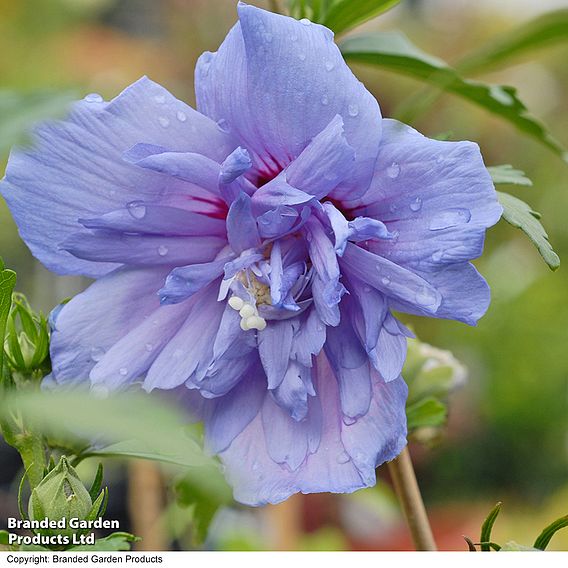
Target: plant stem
408,492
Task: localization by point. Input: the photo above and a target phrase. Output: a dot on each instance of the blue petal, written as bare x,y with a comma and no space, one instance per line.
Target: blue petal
288,81
142,250
234,411
95,320
435,193
326,162
153,219
365,229
392,280
76,171
292,393
241,225
274,347
184,281
339,225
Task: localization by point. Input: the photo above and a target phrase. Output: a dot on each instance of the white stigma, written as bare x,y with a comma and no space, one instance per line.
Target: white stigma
249,314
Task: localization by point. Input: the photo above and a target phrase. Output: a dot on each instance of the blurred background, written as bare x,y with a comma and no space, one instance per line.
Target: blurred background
507,437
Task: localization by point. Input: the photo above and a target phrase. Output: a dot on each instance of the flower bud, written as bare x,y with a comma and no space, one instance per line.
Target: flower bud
60,495
27,341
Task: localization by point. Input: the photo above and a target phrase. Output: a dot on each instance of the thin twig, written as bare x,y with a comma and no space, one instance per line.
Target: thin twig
406,487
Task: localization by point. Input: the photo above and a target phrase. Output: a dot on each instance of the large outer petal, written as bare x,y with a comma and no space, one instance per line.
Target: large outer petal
76,168
340,459
276,83
97,319
439,200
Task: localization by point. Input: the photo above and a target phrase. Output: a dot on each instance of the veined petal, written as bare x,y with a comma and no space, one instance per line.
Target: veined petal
392,280
288,81
241,225
75,169
274,347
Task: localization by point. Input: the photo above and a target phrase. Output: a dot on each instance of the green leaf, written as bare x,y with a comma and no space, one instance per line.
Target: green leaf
509,175
544,538
113,543
342,15
395,52
7,283
206,491
19,111
4,538
546,30
426,412
520,215
487,527
160,428
97,483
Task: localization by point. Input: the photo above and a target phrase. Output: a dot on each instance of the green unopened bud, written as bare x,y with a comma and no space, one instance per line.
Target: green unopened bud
60,495
27,341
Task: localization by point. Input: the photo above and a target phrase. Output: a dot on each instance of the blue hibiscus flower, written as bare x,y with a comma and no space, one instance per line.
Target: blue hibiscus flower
253,250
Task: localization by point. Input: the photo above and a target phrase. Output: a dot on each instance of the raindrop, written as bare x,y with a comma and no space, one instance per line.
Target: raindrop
255,466
97,353
416,205
386,280
267,37
353,110
223,125
149,347
137,209
393,207
302,56
162,250
160,99
450,218
181,116
305,22
123,371
164,121
437,256
393,170
293,37
94,98
426,297
329,65
324,100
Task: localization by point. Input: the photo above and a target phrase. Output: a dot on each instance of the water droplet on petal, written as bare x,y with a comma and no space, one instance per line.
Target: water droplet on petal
137,209
437,256
426,297
353,110
255,466
164,121
123,371
160,99
305,22
267,37
223,125
149,347
393,207
386,280
93,98
302,56
97,353
393,170
324,100
450,218
181,116
329,65
162,250
416,205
